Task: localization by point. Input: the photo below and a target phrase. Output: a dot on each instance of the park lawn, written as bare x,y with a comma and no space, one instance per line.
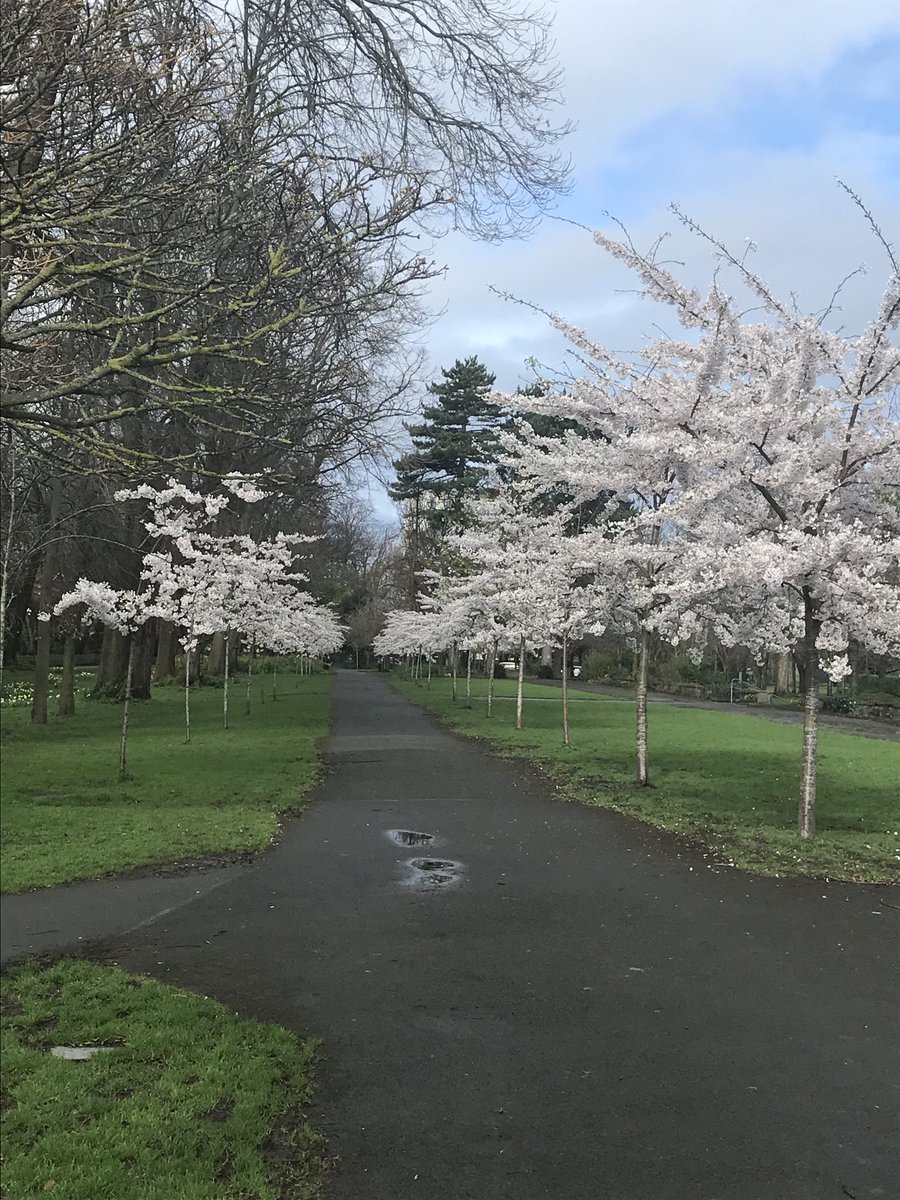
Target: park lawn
727,782
66,815
191,1102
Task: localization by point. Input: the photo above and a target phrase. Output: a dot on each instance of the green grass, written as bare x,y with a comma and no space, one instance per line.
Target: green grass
192,1103
66,815
725,781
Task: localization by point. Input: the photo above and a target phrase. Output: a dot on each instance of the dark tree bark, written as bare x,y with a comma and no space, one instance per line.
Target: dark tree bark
142,667
66,706
164,670
215,662
113,667
44,633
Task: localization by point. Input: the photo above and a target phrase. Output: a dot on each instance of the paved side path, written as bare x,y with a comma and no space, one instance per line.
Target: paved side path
571,1009
53,920
881,730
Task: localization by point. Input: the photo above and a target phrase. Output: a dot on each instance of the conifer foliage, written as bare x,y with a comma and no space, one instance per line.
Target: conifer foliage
453,443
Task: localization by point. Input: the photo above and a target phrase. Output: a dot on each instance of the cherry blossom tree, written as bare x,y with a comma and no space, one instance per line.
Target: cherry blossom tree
760,461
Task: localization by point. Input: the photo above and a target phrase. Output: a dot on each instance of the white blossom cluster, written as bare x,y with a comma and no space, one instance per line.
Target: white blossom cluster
203,582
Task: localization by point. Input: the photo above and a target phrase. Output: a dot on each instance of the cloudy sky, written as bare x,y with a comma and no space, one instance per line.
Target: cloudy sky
741,111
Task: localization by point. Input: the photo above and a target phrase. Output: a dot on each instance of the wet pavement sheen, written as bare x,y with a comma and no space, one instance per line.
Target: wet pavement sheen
523,997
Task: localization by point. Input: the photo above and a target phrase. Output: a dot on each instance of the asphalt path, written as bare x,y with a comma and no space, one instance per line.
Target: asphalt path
547,1000
860,726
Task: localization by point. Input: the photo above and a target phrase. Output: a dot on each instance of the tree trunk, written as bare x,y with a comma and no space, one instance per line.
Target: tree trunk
226,665
454,655
164,670
565,687
429,671
250,675
643,773
4,577
468,679
493,668
520,687
142,665
41,673
215,662
45,586
806,814
66,706
123,744
110,682
187,691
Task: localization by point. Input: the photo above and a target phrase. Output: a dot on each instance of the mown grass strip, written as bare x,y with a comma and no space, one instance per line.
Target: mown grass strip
191,1102
725,781
67,816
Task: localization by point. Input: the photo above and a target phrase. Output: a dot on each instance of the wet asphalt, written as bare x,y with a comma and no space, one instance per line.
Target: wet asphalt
547,1000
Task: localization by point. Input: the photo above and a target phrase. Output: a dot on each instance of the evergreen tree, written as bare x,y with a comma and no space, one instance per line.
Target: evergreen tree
452,444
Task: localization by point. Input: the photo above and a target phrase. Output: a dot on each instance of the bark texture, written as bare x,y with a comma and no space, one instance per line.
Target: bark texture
643,769
520,686
66,706
806,812
164,668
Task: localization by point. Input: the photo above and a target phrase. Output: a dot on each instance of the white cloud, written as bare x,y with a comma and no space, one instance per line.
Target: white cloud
627,61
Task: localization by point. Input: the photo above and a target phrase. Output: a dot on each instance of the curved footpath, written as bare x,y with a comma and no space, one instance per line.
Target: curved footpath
545,1000
881,730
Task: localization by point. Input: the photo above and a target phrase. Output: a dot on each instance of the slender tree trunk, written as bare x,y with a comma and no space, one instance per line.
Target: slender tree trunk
429,671
45,585
468,678
187,691
66,706
123,744
250,659
565,687
227,666
164,669
520,687
493,668
806,814
454,654
4,579
643,772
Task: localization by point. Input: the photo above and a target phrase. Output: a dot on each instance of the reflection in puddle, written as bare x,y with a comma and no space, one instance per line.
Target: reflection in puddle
426,874
408,837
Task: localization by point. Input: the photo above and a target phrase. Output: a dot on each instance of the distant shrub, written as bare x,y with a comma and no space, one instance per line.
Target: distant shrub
889,685
603,665
839,702
544,671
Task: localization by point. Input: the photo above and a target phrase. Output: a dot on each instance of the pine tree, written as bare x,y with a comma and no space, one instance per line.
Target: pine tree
452,445
453,442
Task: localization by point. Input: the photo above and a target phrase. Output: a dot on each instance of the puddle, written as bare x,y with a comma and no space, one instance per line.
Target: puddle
409,837
426,874
433,864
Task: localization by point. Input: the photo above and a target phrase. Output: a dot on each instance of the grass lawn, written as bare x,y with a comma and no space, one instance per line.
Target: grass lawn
192,1103
726,781
66,815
